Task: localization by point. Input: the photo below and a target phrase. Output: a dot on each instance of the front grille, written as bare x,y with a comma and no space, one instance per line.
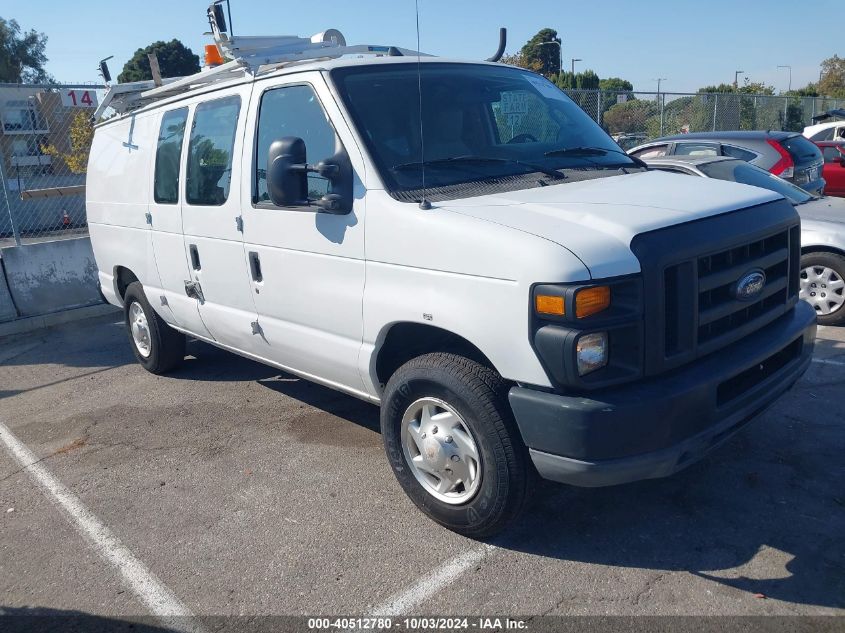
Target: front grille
720,315
719,311
690,272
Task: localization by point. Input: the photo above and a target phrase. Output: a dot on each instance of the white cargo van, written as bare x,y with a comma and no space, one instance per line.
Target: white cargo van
460,243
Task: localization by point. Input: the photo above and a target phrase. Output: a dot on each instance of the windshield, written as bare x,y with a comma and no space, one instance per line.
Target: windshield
742,172
483,129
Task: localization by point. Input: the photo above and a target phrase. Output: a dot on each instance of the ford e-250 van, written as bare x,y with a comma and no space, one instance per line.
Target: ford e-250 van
459,243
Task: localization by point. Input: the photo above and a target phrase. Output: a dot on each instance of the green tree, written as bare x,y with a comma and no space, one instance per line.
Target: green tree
519,60
630,117
81,135
174,60
541,51
810,90
612,89
22,55
587,80
832,83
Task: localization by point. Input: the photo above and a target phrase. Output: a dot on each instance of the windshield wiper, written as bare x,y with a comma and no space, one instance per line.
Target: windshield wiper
595,151
479,159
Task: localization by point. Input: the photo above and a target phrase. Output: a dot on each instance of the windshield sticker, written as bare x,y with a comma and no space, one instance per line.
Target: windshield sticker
545,87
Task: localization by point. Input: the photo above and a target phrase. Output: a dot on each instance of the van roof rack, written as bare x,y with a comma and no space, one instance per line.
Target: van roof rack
246,55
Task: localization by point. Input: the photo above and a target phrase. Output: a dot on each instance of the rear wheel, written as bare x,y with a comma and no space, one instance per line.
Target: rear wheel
823,286
157,346
453,444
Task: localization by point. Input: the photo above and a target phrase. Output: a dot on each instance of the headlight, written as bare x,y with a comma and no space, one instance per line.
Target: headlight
591,352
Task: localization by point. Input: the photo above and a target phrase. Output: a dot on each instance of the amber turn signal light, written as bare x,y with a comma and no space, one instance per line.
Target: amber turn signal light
548,304
592,301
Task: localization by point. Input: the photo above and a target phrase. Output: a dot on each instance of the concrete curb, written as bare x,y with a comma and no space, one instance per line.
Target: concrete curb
30,324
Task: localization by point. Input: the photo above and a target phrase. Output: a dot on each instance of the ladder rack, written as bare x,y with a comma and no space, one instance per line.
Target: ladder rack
248,56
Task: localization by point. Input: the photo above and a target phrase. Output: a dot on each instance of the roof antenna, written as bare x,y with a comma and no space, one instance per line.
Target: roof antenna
425,205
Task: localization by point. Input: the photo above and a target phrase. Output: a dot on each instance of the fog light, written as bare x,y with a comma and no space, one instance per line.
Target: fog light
591,352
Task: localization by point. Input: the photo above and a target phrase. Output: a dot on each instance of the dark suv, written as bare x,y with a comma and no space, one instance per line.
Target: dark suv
785,154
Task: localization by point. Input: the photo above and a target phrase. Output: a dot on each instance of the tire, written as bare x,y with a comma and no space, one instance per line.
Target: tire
456,388
823,286
162,348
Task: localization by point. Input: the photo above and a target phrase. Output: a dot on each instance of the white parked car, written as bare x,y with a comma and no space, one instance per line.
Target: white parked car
516,293
827,130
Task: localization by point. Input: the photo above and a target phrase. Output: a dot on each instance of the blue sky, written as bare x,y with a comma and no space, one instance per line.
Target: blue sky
692,44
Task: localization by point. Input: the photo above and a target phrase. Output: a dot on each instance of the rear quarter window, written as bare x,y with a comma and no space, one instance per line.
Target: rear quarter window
738,152
168,156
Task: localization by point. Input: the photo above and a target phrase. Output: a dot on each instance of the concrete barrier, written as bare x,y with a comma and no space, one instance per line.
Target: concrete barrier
51,276
7,306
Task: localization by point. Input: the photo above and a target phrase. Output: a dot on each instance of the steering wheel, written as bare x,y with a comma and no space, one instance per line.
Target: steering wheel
523,138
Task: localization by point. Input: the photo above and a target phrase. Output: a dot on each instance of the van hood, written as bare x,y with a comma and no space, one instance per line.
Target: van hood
597,219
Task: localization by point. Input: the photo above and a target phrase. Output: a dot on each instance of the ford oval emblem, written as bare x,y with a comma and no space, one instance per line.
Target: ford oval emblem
750,285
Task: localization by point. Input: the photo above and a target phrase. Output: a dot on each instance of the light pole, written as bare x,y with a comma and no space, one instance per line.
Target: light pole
787,66
575,59
736,78
560,53
662,101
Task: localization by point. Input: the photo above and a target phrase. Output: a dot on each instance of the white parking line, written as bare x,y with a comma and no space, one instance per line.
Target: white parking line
432,582
150,590
825,361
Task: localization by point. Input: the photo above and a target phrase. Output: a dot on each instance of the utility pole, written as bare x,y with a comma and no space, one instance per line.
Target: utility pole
659,80
736,78
790,76
575,59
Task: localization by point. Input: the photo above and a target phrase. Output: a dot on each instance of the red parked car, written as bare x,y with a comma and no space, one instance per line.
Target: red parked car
834,167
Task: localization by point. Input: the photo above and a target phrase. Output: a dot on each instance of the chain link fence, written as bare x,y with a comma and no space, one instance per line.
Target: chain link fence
45,137
634,117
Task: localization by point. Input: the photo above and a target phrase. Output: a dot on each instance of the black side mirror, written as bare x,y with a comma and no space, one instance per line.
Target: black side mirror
287,177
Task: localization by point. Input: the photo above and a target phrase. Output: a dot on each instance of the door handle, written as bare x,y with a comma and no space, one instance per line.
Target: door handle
255,267
195,257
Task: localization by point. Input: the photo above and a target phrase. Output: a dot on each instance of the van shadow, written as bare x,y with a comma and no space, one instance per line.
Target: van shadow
47,620
764,514
208,363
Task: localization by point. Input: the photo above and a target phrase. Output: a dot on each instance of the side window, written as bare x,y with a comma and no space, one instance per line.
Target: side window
522,117
169,155
738,152
656,151
823,135
696,149
831,154
293,111
210,151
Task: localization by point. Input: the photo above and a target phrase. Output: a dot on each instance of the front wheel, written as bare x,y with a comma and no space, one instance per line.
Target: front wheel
453,444
823,286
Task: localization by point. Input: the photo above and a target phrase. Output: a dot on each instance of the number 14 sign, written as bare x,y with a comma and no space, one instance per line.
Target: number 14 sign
79,99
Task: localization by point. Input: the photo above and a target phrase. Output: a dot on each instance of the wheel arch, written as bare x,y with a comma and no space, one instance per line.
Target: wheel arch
822,248
123,276
405,340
